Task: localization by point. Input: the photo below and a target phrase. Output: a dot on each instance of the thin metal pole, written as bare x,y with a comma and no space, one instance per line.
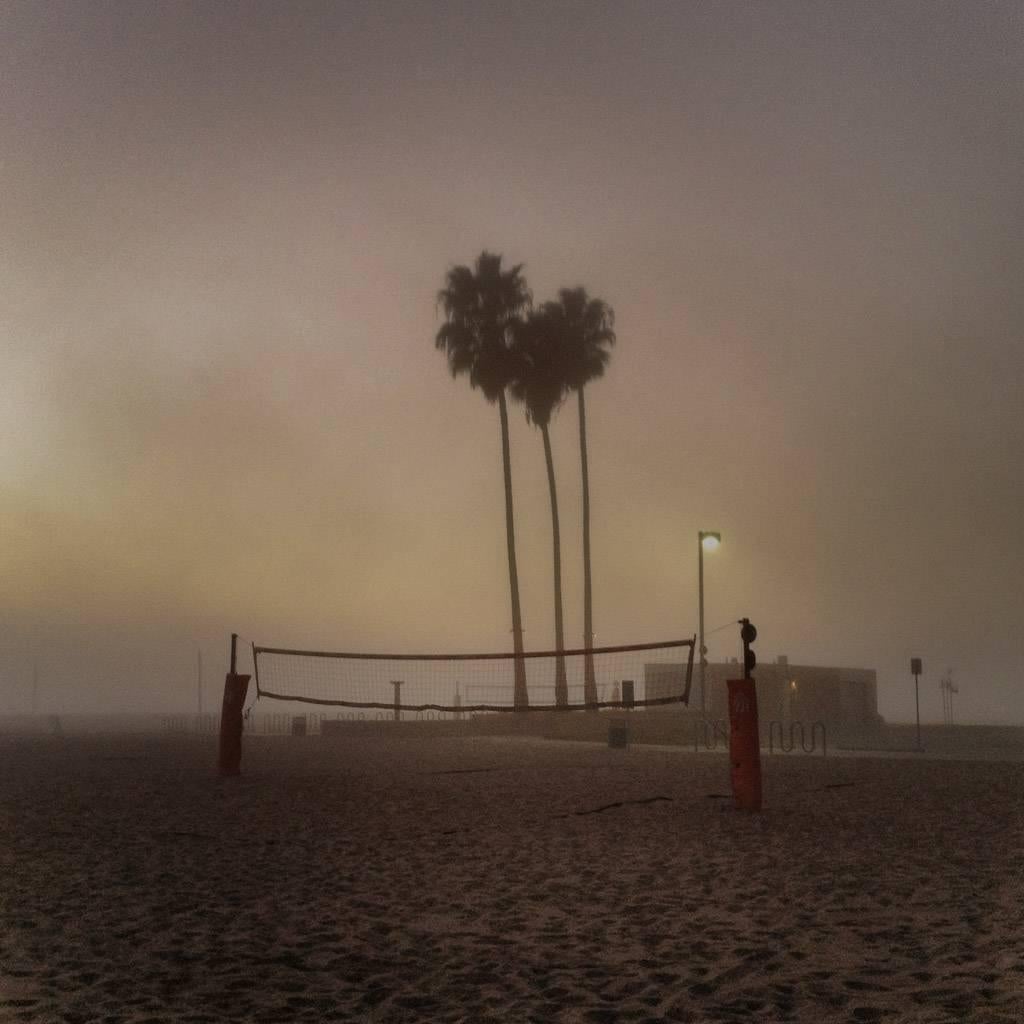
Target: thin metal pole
917,704
234,644
700,614
199,679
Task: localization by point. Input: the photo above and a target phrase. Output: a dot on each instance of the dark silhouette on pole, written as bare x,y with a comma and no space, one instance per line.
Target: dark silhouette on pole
748,634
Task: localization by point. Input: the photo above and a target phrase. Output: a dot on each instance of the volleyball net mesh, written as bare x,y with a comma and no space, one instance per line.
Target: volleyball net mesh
634,675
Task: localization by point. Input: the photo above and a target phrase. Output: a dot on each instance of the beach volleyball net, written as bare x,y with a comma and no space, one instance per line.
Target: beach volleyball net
633,675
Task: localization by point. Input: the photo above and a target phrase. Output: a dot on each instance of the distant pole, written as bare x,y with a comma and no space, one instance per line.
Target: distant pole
199,678
700,615
915,668
35,687
234,644
917,707
948,689
397,684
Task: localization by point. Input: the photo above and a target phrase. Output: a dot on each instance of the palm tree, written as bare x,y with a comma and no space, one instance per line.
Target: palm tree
540,384
585,330
483,307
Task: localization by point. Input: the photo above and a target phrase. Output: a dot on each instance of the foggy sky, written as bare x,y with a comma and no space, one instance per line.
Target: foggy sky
223,230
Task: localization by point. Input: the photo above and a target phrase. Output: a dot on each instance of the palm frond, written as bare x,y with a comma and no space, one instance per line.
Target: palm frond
483,306
540,374
585,327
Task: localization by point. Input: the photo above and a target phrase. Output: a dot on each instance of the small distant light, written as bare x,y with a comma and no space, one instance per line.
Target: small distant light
710,541
792,684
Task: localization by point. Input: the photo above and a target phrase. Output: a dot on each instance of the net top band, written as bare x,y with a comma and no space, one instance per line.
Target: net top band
569,652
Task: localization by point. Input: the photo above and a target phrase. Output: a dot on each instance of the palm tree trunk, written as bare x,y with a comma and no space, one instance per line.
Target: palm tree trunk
520,697
589,679
561,683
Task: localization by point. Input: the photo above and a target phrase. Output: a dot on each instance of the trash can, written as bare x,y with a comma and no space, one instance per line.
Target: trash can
618,735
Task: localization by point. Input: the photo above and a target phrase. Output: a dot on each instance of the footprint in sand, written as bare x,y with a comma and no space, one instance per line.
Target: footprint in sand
859,985
867,1013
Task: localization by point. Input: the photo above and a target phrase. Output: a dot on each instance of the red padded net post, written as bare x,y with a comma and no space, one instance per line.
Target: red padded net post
744,744
230,754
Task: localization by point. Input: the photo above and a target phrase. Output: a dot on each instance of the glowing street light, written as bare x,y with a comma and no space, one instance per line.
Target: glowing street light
706,540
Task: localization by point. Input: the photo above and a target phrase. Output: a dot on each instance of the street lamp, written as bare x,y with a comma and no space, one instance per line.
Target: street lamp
706,539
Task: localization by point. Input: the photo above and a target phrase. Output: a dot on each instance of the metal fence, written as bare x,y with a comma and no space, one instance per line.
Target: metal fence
196,724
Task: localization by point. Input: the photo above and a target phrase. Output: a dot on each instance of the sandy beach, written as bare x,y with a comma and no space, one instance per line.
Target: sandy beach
466,880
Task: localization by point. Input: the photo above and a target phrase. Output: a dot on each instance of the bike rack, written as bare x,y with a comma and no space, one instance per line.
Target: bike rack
789,746
707,732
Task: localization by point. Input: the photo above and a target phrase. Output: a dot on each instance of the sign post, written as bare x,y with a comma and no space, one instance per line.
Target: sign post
915,669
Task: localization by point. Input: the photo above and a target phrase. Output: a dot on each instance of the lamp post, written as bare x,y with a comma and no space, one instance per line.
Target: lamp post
710,540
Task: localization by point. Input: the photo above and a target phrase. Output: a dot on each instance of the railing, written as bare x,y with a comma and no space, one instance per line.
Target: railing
788,746
284,723
203,725
369,715
277,723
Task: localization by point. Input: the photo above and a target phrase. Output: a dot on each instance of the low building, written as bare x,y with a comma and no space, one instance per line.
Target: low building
839,697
